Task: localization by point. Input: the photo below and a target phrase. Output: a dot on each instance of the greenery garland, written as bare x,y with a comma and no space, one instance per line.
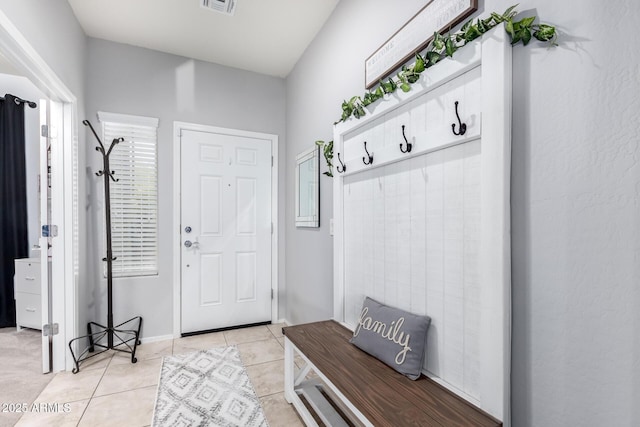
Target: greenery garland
440,47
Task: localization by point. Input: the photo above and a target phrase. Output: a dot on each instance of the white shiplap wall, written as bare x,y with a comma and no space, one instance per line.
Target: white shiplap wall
412,238
428,231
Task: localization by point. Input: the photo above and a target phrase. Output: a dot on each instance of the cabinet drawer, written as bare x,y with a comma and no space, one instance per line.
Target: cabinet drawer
27,276
28,312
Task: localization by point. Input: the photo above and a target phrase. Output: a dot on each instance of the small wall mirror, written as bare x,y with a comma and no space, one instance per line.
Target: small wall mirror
308,188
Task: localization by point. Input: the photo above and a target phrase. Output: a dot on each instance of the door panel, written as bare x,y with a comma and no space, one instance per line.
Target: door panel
226,251
246,206
246,276
211,288
211,197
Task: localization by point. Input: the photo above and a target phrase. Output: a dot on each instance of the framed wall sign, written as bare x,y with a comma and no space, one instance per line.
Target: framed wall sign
415,35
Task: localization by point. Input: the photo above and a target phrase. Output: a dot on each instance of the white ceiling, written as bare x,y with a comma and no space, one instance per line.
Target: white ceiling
265,36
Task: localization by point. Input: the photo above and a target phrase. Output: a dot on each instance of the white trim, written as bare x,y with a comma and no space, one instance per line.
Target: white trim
178,127
45,270
70,138
127,119
495,250
176,230
291,396
58,217
156,339
19,52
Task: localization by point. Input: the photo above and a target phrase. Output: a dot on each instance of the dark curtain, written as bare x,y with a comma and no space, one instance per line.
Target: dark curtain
13,202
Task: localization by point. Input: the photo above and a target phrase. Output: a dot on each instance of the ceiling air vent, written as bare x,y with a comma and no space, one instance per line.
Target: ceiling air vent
228,7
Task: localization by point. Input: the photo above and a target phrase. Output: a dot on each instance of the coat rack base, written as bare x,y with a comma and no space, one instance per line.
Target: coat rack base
124,338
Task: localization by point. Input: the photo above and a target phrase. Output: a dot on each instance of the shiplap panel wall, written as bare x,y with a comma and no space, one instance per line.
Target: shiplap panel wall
428,231
412,235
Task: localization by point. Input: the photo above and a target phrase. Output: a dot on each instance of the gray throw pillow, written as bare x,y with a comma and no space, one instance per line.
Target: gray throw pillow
393,336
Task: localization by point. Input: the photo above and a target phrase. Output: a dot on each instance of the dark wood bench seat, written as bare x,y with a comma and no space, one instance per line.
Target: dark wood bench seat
383,396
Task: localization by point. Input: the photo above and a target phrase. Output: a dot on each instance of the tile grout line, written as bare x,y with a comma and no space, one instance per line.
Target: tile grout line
173,345
124,391
93,396
110,361
84,411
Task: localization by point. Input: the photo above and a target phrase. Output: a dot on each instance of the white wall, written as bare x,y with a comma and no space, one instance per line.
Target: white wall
575,200
130,80
23,88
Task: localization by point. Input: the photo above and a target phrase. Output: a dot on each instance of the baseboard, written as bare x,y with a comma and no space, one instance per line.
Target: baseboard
155,339
170,336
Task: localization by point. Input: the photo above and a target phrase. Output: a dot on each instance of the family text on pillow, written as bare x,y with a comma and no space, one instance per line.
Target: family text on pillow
395,337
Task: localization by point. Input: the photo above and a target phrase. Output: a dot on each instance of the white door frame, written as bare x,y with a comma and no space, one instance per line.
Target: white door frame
178,127
19,52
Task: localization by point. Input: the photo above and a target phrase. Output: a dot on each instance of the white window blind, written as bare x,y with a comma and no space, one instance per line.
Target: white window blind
134,197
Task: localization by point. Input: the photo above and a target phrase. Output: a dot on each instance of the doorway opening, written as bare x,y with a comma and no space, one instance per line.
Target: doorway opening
59,290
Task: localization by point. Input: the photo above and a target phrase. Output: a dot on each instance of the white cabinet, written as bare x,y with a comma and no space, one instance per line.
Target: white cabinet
26,287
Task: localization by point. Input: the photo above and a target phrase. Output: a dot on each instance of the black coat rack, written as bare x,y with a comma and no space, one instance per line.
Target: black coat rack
123,334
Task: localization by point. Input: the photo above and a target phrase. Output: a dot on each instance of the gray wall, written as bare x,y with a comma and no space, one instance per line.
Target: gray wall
575,200
130,80
331,69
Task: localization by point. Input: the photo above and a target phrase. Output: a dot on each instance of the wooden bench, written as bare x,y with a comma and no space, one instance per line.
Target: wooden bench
372,392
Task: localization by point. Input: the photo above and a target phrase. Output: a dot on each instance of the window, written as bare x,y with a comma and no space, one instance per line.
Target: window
134,197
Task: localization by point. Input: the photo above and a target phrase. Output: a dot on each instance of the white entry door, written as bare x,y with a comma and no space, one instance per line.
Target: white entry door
226,230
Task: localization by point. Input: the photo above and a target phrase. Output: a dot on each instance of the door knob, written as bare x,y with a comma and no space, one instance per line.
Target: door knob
187,243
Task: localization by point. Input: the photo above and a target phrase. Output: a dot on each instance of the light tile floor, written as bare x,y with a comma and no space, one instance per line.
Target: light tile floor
21,378
111,391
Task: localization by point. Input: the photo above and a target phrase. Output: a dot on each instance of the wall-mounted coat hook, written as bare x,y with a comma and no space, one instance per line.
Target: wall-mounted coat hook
344,167
409,145
462,126
369,156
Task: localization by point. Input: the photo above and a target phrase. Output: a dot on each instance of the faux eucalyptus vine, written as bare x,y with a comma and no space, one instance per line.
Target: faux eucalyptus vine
441,46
